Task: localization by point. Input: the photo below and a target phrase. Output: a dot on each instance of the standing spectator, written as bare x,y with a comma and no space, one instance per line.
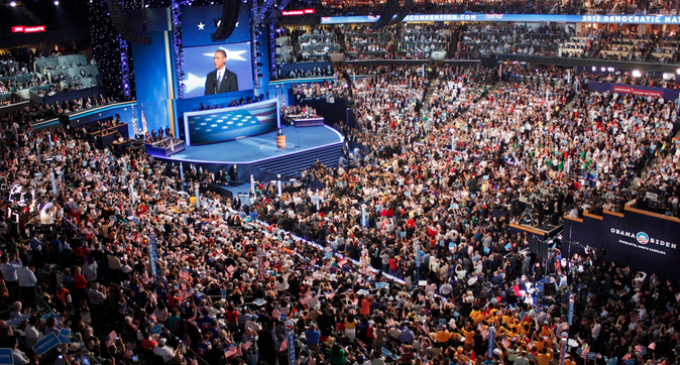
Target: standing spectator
27,281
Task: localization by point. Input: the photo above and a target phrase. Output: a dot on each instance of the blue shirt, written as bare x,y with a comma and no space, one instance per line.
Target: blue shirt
313,337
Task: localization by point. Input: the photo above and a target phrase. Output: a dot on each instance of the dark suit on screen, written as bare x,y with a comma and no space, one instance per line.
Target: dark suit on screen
229,83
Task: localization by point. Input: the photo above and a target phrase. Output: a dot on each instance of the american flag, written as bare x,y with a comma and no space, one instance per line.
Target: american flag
128,354
231,351
111,339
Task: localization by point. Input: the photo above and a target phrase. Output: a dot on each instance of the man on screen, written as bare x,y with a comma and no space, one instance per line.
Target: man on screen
220,80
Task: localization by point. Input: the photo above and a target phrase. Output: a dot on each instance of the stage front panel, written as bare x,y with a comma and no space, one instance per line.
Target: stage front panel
218,125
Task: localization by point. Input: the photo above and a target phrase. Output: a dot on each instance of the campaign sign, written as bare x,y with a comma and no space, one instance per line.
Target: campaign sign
46,344
64,336
386,353
6,357
156,330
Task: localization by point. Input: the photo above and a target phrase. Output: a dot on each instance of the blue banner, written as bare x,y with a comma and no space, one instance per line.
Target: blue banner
291,341
153,254
536,18
156,329
571,310
46,344
6,357
492,337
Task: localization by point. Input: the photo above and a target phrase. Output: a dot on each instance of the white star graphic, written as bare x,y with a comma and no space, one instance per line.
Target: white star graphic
201,26
193,82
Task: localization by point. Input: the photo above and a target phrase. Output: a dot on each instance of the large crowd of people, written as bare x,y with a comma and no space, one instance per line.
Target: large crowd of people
141,269
374,7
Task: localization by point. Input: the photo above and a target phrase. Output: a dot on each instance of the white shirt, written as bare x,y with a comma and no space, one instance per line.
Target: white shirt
9,270
25,277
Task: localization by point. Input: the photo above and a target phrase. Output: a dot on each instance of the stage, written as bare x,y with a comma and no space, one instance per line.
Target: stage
259,156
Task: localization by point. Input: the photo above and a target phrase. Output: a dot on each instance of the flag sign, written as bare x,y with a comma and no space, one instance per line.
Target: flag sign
111,339
230,351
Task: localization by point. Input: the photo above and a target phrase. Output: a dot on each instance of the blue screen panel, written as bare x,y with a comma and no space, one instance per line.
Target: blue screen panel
198,62
218,125
199,22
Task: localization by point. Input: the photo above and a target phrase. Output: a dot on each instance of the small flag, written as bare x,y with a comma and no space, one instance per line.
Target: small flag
128,354
231,351
111,339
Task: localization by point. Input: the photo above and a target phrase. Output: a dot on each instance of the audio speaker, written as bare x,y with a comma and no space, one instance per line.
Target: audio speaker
386,16
408,5
121,25
230,11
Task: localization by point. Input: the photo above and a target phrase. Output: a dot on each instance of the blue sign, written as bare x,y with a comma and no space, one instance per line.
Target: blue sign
381,284
64,336
156,329
591,355
571,310
386,353
284,317
442,321
536,18
291,341
46,344
492,337
135,220
153,255
259,302
6,357
329,255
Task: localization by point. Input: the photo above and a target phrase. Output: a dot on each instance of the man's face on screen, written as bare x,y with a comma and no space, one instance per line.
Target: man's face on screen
219,60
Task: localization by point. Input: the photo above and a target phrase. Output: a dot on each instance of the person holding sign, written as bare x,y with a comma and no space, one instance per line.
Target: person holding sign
249,346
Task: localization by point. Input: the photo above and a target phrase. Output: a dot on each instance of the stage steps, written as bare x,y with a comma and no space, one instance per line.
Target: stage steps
294,164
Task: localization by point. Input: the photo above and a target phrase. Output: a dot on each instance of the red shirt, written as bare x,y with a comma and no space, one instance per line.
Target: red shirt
81,282
232,317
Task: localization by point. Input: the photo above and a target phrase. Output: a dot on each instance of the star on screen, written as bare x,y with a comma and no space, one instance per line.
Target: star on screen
201,26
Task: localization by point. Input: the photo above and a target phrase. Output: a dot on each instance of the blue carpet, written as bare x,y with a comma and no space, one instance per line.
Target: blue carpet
263,146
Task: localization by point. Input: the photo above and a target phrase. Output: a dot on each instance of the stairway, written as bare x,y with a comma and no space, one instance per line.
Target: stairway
291,166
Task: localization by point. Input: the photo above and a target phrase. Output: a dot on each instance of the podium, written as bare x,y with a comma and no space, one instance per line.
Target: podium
281,141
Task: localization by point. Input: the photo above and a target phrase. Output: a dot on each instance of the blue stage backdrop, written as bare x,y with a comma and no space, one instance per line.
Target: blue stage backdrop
199,22
218,125
198,62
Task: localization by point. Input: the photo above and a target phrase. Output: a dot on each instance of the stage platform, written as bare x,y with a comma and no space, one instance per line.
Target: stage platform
259,156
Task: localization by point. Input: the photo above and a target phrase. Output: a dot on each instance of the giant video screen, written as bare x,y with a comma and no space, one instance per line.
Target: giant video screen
201,64
219,125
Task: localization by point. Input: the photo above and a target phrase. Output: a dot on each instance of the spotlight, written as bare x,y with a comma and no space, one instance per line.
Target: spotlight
13,4
56,2
594,69
678,71
611,69
637,73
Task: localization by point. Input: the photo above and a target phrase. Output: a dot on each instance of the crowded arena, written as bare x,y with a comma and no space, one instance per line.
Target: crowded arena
339,182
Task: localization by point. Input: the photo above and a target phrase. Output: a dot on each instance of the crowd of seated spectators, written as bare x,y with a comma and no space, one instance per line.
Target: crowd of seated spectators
627,78
418,41
120,248
485,39
302,73
622,45
17,72
40,112
304,44
374,7
233,102
364,42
